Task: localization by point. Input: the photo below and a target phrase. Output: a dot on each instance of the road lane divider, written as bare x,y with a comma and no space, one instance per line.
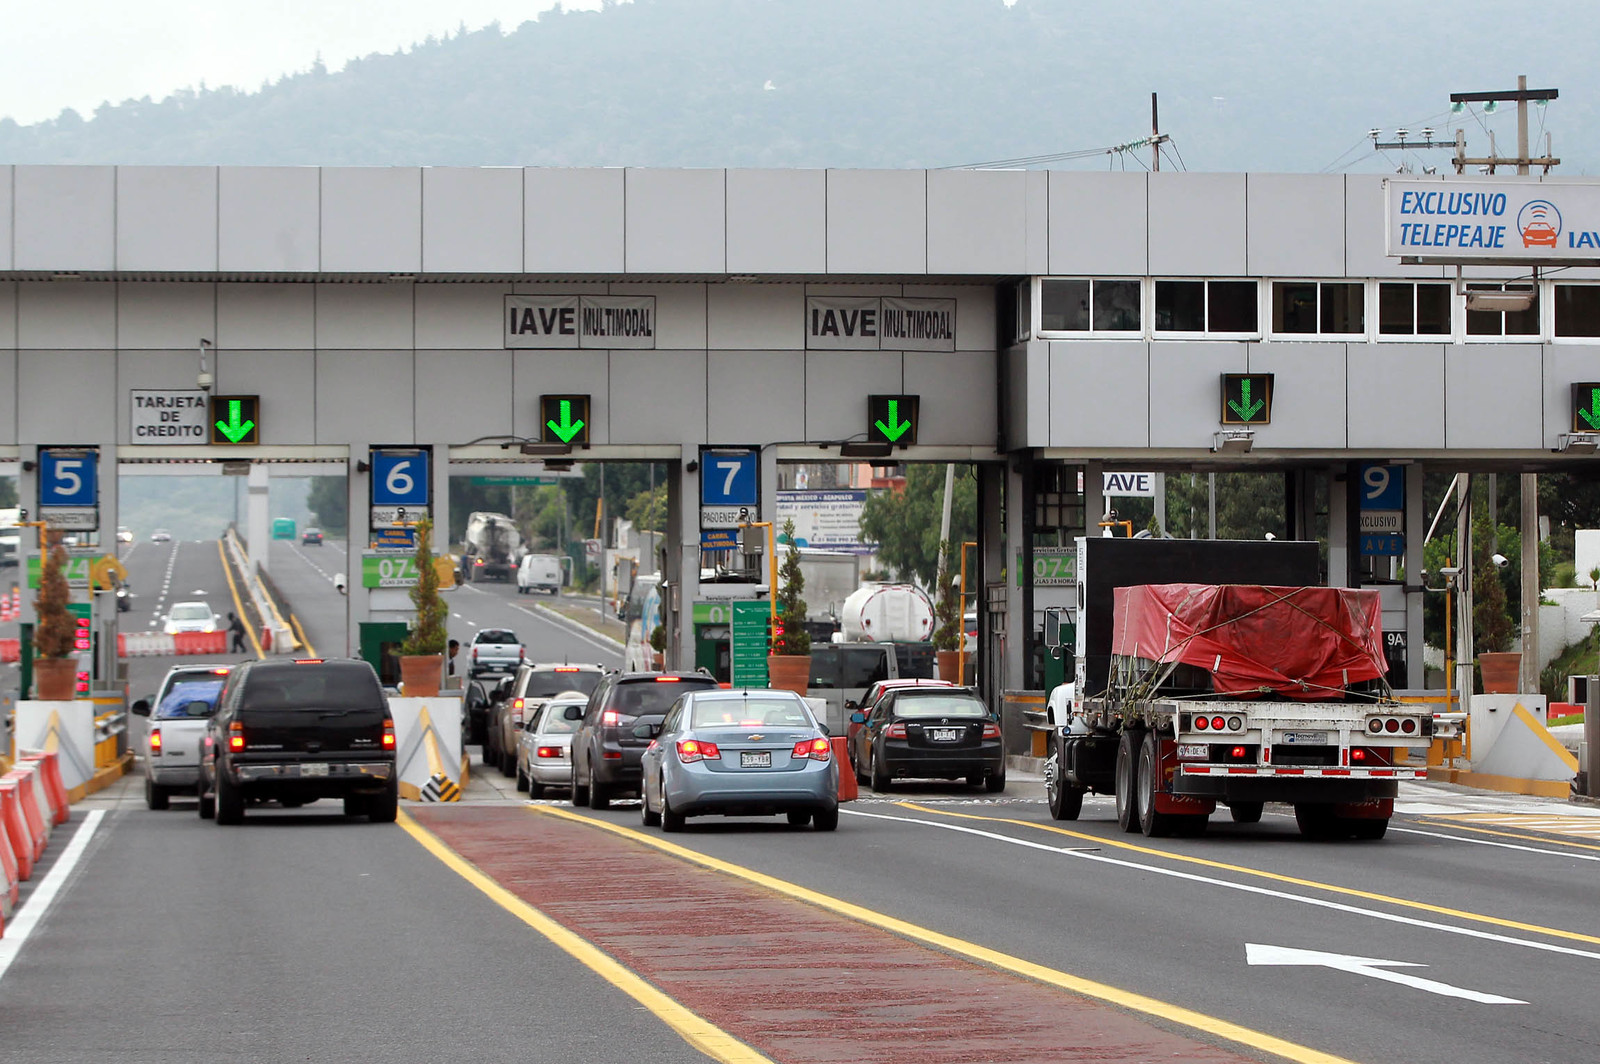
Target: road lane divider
238,606
699,1032
1177,1015
1279,877
38,903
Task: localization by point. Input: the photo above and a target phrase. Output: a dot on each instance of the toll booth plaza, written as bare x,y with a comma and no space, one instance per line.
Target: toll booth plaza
1077,336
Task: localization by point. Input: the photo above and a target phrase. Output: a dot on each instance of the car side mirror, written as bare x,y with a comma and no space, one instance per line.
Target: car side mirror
851,703
140,708
646,730
858,717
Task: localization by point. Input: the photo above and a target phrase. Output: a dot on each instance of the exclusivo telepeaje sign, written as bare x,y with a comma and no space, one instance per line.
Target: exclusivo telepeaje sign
1492,221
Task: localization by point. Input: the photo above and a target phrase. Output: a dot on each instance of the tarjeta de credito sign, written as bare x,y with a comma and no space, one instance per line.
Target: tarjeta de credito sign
1463,221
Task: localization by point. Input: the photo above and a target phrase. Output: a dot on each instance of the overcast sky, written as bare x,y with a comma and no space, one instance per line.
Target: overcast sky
78,53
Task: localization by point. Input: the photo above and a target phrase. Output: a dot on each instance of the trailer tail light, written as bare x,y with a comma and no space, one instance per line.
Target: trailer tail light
692,750
1202,723
816,749
1218,723
896,730
155,741
1235,724
235,736
1358,755
388,734
1408,726
1391,726
1375,725
991,730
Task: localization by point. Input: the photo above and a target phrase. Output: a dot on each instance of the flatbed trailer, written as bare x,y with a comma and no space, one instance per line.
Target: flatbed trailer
1162,737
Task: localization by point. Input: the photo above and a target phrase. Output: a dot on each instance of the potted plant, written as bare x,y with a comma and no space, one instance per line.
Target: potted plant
789,659
948,635
56,635
422,654
658,645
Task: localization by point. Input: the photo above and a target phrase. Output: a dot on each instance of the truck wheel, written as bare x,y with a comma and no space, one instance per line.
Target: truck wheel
1316,820
1065,802
1246,812
1366,828
1154,825
230,803
1127,767
155,795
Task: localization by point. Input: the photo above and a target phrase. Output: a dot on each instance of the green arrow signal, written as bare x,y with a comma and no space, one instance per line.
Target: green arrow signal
1243,406
1592,415
233,428
567,428
896,428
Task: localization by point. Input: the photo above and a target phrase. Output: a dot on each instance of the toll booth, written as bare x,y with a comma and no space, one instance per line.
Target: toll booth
380,648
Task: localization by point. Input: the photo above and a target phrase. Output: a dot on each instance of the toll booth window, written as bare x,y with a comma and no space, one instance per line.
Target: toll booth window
1577,310
1506,322
1333,308
1207,307
1089,305
1407,309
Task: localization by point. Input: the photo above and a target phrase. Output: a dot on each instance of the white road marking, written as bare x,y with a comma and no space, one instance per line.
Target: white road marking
38,903
1498,845
1246,888
1258,954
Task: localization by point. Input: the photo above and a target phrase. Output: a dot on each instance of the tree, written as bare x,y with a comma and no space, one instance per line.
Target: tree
428,635
905,524
794,639
1491,624
949,634
648,509
56,633
8,492
329,499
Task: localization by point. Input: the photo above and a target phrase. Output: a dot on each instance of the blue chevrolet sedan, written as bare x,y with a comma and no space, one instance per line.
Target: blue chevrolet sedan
739,753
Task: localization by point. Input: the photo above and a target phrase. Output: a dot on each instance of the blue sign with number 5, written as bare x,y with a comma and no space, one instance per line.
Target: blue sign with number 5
67,476
730,477
400,478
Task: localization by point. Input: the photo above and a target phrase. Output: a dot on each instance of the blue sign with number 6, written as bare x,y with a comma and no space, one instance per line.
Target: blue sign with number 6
67,476
400,478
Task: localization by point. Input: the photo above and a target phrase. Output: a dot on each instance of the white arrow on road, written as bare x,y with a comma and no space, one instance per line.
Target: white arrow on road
1258,954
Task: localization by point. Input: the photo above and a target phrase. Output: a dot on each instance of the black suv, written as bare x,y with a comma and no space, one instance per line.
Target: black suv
297,731
606,750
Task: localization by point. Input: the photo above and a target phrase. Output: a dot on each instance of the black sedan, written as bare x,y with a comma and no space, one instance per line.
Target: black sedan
311,537
930,733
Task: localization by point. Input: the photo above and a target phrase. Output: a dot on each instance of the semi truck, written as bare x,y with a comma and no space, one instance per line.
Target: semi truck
1218,672
493,547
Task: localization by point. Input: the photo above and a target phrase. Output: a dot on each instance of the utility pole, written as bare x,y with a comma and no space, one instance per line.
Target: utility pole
1157,138
1520,96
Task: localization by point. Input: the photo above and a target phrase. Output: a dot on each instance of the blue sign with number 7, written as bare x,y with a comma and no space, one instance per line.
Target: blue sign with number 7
730,477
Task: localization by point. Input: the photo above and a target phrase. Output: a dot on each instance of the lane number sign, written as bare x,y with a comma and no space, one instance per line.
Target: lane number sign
69,489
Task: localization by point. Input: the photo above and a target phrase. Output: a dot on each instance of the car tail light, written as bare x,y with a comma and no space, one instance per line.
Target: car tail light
297,661
896,730
816,749
549,751
236,736
388,734
692,750
566,668
219,672
991,730
516,710
155,740
667,679
611,718
474,653
522,653
1201,723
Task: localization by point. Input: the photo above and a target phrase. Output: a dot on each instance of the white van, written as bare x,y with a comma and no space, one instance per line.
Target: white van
539,572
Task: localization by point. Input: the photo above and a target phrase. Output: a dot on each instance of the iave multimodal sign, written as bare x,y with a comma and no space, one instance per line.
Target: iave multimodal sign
1466,221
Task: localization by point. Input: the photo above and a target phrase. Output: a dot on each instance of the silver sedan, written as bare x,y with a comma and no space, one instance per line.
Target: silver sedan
739,753
544,746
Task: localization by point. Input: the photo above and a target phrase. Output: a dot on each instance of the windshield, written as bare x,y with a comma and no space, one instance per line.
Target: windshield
650,696
191,611
189,701
559,681
327,685
497,635
554,719
749,713
921,706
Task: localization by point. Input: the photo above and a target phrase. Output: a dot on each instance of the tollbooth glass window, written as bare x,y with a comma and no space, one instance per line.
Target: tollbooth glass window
1406,308
1328,308
1089,305
1206,307
1577,310
1506,322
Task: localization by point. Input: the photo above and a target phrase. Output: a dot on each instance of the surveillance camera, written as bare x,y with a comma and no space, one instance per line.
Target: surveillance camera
204,381
1499,560
339,584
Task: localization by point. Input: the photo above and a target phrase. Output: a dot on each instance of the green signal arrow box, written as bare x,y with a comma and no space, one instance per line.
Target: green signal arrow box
1586,407
1247,398
236,419
892,419
564,419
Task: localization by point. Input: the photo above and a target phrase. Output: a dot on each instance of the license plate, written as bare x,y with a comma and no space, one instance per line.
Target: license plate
945,735
314,768
753,759
1194,751
1306,738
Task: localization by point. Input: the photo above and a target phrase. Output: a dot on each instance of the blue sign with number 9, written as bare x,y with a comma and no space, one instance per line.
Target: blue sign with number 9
400,478
1383,487
67,477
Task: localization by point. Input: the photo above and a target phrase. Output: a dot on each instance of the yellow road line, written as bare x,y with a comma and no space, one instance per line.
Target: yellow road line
1523,836
238,606
699,1032
1168,1013
1387,899
300,634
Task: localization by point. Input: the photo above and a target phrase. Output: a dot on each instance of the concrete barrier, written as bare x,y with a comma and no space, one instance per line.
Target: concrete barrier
17,833
37,803
428,743
65,728
11,889
10,650
49,765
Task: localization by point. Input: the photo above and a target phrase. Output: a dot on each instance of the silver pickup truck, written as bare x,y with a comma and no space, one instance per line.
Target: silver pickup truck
178,713
494,650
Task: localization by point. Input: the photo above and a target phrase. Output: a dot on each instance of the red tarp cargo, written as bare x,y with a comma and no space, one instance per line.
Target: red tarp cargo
1304,642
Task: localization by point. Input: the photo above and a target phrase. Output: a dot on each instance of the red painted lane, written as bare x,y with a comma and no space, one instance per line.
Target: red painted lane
802,985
